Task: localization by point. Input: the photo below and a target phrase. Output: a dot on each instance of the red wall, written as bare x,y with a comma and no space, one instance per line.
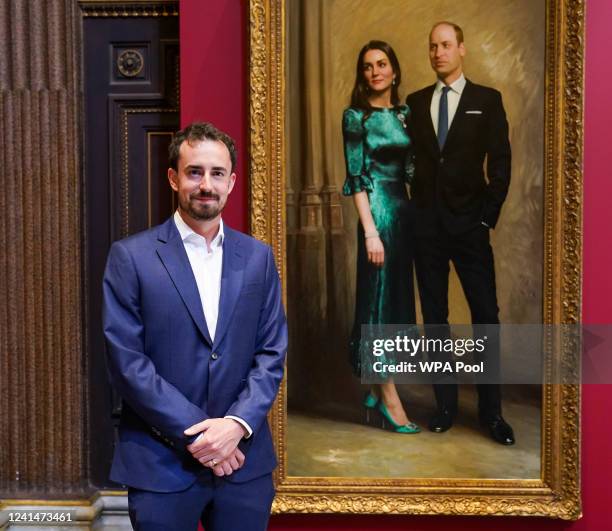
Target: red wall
214,82
214,86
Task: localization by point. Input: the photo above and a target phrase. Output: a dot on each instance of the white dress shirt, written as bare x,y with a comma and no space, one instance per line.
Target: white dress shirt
453,96
206,264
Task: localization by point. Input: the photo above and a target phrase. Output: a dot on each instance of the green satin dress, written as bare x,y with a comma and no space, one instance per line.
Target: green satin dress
378,153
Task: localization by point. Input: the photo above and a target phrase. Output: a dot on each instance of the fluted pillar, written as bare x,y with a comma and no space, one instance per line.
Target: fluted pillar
42,367
311,235
339,312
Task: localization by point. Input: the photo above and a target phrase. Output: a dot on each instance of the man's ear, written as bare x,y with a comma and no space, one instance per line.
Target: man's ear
232,183
462,50
173,179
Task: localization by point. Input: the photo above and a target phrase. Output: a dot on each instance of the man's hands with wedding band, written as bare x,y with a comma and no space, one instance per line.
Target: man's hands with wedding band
217,445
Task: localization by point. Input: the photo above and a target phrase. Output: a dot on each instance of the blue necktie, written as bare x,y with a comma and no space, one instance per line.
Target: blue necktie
443,117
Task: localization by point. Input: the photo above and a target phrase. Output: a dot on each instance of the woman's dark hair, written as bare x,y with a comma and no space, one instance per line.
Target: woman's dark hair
361,90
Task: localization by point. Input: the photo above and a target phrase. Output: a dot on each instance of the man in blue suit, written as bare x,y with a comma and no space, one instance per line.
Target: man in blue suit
196,339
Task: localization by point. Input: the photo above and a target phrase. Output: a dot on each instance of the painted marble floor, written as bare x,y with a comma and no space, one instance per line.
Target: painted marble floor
318,445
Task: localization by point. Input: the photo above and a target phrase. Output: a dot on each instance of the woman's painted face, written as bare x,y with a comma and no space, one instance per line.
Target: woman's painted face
377,70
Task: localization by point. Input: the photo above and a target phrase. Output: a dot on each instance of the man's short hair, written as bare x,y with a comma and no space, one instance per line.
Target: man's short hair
456,27
198,132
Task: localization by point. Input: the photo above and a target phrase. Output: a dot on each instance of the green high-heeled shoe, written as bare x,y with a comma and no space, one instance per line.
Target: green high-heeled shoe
369,404
411,427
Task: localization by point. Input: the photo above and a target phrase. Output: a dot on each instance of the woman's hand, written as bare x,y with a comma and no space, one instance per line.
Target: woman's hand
376,251
373,243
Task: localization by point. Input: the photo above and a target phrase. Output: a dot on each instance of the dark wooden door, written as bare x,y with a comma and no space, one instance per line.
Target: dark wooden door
131,68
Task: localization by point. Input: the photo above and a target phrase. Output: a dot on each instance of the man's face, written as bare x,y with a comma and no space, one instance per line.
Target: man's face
445,55
204,178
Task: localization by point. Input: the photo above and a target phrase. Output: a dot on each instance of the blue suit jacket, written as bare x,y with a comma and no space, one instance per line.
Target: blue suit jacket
164,365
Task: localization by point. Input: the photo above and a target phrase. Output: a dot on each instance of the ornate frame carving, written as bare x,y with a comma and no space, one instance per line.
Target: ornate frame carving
557,493
129,8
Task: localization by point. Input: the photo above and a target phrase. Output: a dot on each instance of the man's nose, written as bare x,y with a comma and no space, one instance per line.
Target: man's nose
205,183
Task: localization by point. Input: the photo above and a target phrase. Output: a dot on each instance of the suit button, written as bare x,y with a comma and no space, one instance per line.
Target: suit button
214,355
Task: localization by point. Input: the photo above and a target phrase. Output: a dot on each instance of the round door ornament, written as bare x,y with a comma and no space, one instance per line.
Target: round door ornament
130,63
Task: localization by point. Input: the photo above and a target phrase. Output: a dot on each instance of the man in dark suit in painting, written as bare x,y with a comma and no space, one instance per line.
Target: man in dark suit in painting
457,125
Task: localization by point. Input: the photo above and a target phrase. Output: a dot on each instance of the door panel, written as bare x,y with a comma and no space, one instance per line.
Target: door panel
131,83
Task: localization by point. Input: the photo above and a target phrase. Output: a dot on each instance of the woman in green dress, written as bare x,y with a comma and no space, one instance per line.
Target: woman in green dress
378,154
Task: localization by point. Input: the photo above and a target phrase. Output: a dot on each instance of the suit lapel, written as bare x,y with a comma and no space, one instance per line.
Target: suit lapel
174,257
231,282
430,132
459,114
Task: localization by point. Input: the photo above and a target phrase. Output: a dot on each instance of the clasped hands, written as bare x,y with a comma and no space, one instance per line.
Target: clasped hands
217,447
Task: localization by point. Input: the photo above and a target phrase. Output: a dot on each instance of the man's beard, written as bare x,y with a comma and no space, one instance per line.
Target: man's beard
202,211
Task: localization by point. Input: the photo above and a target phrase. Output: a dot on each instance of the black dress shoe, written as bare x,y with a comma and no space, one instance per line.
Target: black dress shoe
441,421
500,430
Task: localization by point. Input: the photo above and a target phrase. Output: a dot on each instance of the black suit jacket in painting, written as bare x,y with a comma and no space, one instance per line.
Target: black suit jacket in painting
449,186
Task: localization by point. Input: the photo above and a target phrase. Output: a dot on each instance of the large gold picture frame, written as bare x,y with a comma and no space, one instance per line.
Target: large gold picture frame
557,492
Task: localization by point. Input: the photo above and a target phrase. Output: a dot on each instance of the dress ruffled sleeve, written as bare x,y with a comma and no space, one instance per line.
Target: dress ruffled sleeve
353,134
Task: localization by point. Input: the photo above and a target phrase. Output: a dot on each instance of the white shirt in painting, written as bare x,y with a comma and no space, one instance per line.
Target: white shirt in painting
453,97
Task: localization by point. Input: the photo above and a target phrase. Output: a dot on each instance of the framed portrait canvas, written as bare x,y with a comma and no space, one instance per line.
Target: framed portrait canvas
302,69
